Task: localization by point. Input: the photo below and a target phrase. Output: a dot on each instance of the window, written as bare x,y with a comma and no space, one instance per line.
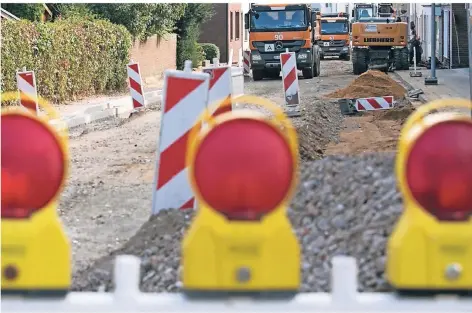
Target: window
246,31
237,19
231,33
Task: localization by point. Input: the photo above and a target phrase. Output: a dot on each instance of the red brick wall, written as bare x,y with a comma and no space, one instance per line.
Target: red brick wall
154,57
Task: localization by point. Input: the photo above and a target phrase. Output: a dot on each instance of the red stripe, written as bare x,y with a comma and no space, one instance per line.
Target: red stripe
389,99
188,204
285,57
223,109
28,102
137,87
290,78
172,160
360,107
217,73
374,103
134,67
28,77
136,104
246,61
177,89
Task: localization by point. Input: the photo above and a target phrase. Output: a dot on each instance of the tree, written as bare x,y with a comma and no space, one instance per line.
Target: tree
188,31
141,19
28,11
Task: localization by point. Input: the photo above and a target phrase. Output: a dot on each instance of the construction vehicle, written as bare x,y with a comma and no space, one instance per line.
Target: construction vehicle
386,10
379,43
274,28
363,10
333,30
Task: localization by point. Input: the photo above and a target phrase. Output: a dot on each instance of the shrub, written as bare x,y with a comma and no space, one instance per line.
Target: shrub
70,58
210,51
188,48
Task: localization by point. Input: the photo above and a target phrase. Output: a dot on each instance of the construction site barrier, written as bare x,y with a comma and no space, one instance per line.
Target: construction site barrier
128,298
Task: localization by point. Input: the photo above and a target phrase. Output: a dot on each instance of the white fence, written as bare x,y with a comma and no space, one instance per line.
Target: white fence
127,298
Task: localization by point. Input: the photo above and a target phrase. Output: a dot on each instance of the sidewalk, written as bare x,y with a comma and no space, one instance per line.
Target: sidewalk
453,83
90,110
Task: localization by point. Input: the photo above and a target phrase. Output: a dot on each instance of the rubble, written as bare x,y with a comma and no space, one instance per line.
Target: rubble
344,206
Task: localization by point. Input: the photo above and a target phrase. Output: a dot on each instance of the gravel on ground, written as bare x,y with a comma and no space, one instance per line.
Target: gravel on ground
344,206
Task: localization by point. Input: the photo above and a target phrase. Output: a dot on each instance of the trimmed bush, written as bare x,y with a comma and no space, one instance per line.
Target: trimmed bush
210,51
70,58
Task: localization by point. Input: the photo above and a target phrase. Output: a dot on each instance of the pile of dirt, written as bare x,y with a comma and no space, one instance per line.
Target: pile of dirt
370,84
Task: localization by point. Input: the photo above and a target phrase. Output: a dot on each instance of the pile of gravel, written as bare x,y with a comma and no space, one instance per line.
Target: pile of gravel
344,206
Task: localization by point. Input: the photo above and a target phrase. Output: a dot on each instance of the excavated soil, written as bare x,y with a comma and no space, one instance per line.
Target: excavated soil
370,84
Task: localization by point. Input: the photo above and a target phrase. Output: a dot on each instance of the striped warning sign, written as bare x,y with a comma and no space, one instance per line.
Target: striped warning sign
135,85
185,96
28,93
220,88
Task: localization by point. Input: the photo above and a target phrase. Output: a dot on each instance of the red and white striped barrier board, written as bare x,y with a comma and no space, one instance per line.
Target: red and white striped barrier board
135,85
247,62
374,103
185,96
290,78
220,88
26,82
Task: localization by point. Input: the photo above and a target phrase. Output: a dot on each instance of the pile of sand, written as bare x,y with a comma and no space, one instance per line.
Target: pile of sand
370,84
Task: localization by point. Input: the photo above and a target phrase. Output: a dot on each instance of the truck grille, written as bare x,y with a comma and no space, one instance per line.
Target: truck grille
292,45
335,43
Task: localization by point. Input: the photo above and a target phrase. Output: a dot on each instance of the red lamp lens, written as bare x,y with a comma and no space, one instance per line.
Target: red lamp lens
244,169
32,166
439,170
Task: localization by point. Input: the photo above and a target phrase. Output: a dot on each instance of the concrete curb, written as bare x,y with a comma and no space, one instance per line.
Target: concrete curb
421,97
117,108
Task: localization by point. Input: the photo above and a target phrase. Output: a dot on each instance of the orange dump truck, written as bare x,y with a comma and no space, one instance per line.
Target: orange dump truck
333,31
274,28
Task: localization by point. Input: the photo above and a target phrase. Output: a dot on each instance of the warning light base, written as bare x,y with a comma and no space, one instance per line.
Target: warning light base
223,294
36,293
427,293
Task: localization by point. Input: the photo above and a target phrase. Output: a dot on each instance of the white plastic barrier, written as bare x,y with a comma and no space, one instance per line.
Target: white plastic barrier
343,298
237,73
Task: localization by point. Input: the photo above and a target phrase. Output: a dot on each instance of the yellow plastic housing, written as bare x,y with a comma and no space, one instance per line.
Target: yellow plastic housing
37,247
421,248
216,251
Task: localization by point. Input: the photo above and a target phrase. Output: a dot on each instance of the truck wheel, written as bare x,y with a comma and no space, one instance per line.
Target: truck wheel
401,57
317,70
405,58
257,75
308,73
359,61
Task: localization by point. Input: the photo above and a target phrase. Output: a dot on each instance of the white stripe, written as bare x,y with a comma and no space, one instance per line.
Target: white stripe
136,95
221,89
135,76
174,194
25,87
293,88
291,63
183,116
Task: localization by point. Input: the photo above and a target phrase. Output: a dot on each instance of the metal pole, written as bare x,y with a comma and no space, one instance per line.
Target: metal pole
469,39
432,80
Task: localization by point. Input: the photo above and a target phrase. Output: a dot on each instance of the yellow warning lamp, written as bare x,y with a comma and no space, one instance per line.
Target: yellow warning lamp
36,256
430,249
243,170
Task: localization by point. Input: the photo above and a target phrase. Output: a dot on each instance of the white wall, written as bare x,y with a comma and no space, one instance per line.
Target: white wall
245,41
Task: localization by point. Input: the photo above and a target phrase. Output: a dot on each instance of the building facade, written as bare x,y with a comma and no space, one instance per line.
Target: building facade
225,29
451,32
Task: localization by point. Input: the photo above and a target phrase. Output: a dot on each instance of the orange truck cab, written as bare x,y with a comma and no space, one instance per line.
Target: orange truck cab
333,29
274,28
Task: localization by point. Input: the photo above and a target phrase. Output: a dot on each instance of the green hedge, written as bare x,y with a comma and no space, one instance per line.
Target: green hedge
70,58
210,51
